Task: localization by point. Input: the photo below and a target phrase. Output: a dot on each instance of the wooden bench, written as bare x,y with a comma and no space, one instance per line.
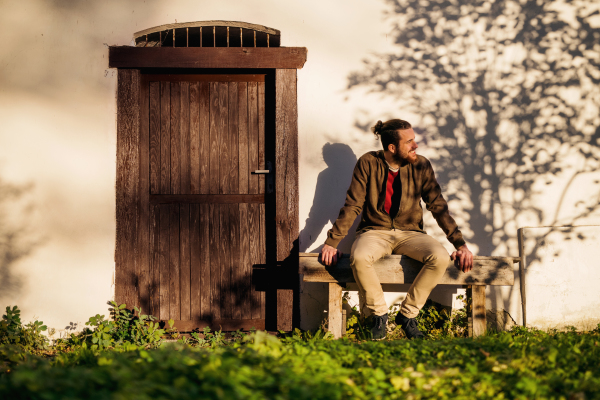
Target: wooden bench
496,271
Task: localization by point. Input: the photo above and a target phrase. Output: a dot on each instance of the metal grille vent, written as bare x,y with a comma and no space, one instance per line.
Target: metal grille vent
208,34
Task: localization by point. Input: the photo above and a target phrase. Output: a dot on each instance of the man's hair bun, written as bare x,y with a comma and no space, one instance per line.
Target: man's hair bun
377,128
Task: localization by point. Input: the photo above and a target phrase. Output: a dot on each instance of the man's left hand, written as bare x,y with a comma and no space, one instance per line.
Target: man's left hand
463,258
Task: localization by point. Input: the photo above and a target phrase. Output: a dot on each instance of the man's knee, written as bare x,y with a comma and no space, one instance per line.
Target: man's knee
361,258
439,258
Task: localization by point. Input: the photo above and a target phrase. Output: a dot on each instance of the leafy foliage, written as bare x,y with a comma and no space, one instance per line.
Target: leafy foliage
29,338
520,364
124,329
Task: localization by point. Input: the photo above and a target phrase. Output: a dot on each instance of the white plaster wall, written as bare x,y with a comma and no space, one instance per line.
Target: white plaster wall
57,135
561,279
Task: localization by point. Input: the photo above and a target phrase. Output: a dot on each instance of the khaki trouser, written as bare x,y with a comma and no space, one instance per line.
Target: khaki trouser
370,246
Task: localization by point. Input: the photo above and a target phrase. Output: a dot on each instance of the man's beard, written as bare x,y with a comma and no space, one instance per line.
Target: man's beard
404,159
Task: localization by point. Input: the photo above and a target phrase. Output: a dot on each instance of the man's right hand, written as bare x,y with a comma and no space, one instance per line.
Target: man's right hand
330,255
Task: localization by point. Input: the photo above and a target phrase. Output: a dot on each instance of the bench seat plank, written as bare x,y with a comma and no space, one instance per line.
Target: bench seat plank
495,271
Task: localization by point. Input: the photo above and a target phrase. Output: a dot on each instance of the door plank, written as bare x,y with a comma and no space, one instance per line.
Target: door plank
233,138
184,257
205,137
164,254
243,137
195,263
286,180
184,129
254,234
234,251
154,127
195,138
165,138
214,160
174,263
223,137
262,253
127,187
252,137
245,265
154,290
261,135
143,236
175,138
215,271
205,262
225,261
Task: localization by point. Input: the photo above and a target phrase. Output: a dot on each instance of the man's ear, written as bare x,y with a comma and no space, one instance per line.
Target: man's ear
391,148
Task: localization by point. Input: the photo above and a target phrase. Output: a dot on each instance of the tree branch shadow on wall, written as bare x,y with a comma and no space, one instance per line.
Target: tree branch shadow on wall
508,94
330,195
16,240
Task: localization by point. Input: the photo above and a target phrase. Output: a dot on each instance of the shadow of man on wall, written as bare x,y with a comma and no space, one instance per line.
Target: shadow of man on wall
330,194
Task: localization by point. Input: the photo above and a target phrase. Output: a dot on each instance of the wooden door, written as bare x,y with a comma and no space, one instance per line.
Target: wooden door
205,203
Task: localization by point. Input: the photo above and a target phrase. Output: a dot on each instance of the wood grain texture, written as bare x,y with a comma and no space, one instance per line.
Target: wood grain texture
127,186
207,198
164,251
184,261
401,269
243,137
286,187
175,138
165,138
478,307
206,57
254,236
143,237
261,134
196,78
195,138
245,265
252,136
233,136
154,290
154,128
223,129
215,263
214,161
185,144
235,267
225,261
195,263
262,252
205,262
174,263
205,138
334,312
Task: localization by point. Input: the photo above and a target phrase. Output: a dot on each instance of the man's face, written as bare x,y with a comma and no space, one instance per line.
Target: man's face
405,150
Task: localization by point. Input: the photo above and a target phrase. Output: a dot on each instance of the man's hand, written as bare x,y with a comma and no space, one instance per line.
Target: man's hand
330,255
463,258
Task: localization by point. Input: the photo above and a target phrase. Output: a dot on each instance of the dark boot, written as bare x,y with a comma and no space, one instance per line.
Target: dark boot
410,326
378,326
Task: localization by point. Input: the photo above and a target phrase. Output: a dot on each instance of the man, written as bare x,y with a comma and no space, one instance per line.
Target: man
387,187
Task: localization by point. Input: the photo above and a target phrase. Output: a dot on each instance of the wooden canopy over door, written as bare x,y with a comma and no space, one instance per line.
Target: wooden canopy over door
192,226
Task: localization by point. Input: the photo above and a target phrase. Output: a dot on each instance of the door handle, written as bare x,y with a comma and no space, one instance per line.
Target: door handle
269,181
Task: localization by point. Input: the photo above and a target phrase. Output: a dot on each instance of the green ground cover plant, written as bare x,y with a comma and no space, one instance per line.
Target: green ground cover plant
522,363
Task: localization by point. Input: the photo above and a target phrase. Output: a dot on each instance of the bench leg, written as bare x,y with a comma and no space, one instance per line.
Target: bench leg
478,310
335,310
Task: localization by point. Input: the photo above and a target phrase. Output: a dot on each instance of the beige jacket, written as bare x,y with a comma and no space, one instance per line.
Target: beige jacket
367,194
